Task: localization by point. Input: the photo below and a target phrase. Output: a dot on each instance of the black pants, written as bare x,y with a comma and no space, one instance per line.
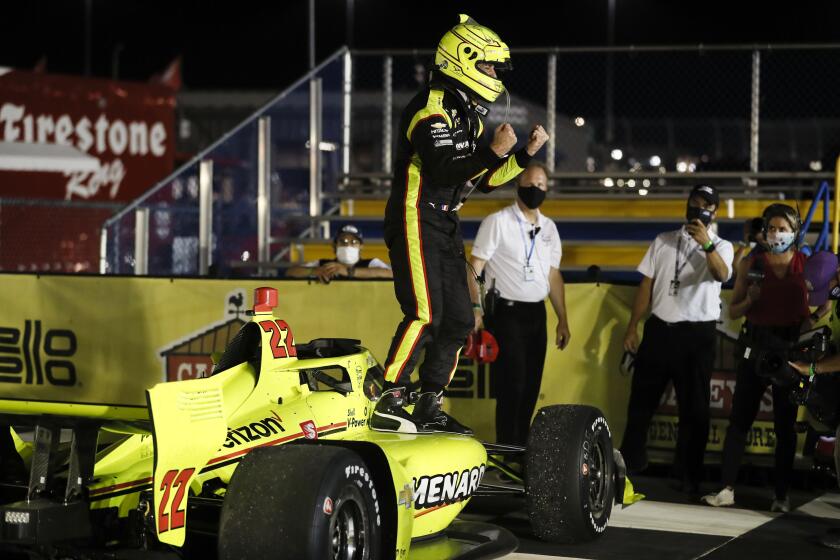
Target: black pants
430,281
683,353
517,372
749,388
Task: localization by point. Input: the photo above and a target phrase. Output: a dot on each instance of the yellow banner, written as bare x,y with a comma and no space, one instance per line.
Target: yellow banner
586,372
106,339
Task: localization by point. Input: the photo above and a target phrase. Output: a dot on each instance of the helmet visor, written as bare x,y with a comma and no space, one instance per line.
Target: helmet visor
493,69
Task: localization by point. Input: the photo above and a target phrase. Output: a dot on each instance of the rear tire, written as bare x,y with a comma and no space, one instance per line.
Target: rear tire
569,473
301,501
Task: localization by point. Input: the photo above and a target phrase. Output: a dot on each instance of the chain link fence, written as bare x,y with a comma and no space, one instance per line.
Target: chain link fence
682,110
206,217
51,236
666,114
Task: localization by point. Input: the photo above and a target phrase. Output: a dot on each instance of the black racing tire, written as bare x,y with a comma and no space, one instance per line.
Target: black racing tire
307,502
569,473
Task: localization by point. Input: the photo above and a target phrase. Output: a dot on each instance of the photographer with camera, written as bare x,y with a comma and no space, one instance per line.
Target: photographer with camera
682,273
821,277
770,290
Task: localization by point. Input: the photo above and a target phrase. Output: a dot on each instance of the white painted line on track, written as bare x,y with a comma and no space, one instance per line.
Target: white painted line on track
685,518
826,506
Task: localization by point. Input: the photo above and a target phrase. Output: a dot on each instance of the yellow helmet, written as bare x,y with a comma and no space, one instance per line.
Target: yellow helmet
464,46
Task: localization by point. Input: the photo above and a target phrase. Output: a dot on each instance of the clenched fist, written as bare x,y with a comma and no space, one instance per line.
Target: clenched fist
504,139
536,139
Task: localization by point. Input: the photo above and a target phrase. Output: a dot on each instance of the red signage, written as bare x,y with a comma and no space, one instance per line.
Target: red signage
722,387
63,137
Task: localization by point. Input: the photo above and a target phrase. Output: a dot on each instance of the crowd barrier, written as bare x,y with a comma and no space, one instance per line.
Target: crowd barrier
104,339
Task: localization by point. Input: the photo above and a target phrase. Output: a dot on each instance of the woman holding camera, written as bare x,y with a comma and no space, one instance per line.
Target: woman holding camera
770,291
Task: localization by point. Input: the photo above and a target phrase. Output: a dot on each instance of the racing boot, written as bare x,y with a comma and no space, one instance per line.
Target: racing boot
390,414
428,415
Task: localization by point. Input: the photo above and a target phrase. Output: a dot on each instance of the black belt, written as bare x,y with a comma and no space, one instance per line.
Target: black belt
680,323
513,303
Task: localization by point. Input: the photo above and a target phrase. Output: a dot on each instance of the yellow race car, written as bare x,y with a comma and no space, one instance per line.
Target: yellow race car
273,456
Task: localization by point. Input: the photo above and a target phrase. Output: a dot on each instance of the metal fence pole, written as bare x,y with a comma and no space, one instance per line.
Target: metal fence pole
205,216
346,131
609,123
263,192
387,111
103,251
311,18
755,110
346,115
315,148
141,241
551,110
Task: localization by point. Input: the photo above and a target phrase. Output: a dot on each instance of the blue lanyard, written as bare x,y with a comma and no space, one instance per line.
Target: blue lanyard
528,252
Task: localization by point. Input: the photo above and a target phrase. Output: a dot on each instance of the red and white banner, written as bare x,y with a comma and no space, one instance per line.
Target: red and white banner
64,137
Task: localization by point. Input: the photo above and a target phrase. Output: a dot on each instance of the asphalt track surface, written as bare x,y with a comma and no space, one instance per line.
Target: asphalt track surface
670,525
666,525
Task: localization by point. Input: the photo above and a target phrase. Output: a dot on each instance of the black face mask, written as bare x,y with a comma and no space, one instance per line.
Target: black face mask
531,197
696,213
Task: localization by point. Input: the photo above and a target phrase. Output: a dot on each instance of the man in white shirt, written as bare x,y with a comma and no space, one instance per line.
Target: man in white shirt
520,251
682,273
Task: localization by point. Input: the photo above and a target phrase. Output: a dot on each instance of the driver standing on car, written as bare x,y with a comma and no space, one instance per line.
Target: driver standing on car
438,154
682,273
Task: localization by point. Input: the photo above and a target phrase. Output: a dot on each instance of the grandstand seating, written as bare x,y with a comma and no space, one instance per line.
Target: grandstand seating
612,233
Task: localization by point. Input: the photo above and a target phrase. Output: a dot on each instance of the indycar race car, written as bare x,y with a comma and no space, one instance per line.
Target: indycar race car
272,455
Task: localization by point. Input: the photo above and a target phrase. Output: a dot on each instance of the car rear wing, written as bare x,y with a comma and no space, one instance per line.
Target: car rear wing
190,425
190,418
13,411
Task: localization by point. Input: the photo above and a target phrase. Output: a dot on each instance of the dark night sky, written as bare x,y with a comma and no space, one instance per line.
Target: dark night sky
247,44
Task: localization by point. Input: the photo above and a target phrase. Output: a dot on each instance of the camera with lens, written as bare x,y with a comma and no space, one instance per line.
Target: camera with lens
772,360
820,395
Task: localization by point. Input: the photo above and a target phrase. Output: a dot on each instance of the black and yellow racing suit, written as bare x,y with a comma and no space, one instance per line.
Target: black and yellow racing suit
437,154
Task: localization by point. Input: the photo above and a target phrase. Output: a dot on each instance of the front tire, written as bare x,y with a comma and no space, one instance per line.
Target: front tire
301,501
569,470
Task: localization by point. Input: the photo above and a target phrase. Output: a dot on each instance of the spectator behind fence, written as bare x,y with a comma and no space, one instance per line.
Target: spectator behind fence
770,290
520,251
682,273
347,263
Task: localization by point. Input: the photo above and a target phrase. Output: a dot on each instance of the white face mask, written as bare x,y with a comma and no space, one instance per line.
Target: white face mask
347,255
780,242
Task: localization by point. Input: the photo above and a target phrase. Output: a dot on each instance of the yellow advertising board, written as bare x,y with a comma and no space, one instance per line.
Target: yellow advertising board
99,339
106,339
